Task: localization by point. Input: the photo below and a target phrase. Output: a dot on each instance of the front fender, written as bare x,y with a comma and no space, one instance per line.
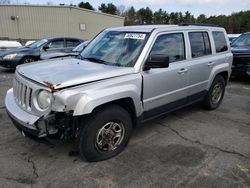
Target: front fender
88,102
84,99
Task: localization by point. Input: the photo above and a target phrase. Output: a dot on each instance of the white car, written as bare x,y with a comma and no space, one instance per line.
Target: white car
7,45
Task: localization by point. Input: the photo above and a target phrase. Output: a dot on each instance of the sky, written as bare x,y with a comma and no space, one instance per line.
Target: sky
196,7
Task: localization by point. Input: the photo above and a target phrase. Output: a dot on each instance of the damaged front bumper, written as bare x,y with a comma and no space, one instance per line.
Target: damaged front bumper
26,122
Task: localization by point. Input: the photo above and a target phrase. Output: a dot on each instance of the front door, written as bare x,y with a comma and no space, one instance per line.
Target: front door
164,88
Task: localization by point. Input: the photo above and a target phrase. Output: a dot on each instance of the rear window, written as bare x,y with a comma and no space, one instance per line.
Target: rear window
200,44
220,41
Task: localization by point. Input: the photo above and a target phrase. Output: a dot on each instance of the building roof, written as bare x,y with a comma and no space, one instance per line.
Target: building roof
63,6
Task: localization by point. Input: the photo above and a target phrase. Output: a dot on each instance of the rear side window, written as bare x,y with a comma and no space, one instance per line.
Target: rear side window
220,41
72,43
171,45
200,44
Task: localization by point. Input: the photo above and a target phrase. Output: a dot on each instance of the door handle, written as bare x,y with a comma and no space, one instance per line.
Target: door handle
210,64
182,71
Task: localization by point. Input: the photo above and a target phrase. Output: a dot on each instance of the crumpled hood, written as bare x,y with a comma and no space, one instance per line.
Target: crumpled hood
58,73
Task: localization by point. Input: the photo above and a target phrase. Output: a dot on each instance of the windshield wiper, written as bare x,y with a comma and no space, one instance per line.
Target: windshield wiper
93,59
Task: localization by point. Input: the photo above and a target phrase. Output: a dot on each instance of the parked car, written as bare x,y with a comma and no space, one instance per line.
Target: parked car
232,37
8,45
74,53
127,76
32,52
241,56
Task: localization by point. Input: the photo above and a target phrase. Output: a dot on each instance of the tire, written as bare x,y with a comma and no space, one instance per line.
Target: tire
108,123
27,60
215,94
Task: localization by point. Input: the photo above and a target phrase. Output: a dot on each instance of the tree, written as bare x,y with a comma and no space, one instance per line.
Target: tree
121,10
130,16
145,15
160,17
201,18
110,8
86,5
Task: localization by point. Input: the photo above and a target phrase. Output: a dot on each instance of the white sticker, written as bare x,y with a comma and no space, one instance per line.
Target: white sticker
139,36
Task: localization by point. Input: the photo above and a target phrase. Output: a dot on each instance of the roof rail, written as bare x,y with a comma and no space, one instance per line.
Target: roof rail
198,24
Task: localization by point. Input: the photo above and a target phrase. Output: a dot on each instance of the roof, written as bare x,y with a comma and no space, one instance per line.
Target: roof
149,28
63,6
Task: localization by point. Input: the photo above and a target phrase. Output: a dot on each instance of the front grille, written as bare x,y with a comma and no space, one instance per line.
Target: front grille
22,94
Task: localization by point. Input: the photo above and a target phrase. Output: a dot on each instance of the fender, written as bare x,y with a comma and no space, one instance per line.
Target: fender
84,100
224,67
86,104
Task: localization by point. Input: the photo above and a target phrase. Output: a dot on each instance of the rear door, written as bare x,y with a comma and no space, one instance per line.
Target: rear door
165,88
201,63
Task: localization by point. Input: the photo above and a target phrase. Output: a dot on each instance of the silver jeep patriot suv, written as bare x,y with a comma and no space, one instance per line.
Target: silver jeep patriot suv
124,77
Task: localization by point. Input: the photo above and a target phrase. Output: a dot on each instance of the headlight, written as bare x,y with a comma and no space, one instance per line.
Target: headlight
10,56
44,99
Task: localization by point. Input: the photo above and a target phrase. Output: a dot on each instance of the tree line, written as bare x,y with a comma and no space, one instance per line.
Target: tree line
238,22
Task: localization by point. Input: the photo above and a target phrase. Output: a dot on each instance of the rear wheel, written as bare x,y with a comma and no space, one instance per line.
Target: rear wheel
105,134
215,93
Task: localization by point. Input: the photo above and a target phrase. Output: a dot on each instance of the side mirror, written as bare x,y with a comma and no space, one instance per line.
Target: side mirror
157,61
45,48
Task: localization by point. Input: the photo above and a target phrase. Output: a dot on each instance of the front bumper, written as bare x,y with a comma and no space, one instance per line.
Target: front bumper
241,64
25,121
9,63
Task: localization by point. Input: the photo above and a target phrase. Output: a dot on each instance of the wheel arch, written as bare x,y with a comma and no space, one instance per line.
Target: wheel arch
126,103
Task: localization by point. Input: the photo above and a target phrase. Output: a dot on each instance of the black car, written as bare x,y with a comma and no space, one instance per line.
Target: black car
73,53
241,55
32,52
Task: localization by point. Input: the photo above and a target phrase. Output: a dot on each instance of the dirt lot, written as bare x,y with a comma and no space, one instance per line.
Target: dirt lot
189,148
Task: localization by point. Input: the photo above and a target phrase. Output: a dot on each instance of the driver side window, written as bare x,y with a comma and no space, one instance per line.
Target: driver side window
171,45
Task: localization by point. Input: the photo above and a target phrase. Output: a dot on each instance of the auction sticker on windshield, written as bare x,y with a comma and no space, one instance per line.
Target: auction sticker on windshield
139,36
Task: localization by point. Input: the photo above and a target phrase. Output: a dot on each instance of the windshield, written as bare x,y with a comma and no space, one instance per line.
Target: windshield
37,44
243,40
116,48
81,46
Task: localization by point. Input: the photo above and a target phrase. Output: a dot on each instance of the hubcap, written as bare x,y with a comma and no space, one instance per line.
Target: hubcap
28,60
110,136
217,93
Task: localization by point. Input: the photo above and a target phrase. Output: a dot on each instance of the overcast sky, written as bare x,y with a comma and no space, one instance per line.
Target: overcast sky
196,7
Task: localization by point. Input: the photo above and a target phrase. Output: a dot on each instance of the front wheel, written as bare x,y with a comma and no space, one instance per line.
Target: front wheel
215,93
27,60
105,134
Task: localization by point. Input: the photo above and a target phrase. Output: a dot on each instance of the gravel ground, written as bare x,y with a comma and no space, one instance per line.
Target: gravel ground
188,148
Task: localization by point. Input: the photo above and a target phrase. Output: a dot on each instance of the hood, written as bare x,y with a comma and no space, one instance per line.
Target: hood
18,50
240,49
58,73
